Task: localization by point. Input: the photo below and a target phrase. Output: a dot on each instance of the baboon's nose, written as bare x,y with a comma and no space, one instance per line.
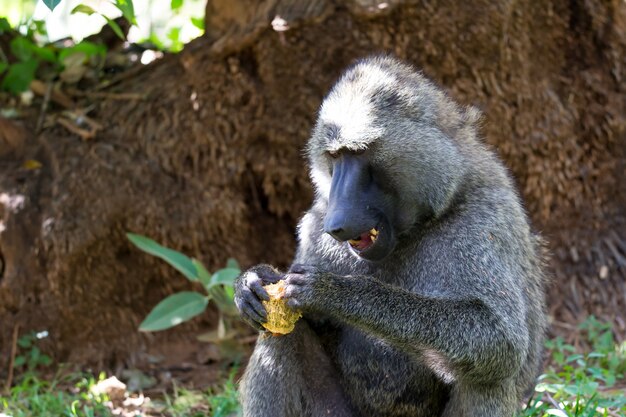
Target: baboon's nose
333,225
336,227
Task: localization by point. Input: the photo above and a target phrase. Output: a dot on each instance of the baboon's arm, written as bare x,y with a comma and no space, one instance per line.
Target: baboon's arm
473,338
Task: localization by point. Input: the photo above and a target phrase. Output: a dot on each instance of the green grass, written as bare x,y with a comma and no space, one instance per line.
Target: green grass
67,396
71,396
583,384
215,402
575,384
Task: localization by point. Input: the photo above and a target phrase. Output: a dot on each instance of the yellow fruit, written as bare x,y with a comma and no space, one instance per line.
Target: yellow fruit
280,318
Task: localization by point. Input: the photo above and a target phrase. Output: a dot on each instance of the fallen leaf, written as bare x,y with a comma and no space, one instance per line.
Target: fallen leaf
31,164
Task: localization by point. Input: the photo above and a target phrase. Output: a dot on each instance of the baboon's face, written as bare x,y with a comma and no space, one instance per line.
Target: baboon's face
348,152
379,158
362,211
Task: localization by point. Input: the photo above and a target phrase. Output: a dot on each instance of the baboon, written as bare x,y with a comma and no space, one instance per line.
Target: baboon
420,282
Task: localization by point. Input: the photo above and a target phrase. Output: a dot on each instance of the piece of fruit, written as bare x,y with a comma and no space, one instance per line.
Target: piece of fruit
280,318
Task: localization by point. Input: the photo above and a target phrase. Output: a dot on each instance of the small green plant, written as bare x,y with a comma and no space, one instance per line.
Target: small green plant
69,396
226,402
30,356
30,56
219,401
582,384
182,306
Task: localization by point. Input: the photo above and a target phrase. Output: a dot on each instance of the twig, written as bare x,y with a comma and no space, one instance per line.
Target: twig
16,330
124,75
75,118
44,108
553,401
81,117
56,96
111,96
564,325
83,133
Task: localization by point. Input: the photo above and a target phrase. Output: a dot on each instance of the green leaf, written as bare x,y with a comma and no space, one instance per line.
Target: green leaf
83,8
88,48
19,76
128,10
176,4
116,28
174,310
5,26
34,354
22,48
573,358
3,67
224,276
232,263
51,4
198,22
230,292
179,261
154,39
37,27
556,412
222,299
44,53
203,275
45,360
174,35
25,341
19,361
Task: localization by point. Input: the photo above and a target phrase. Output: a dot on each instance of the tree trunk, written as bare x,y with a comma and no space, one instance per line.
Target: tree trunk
210,160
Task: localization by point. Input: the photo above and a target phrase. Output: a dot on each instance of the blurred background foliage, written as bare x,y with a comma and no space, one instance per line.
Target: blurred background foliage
169,24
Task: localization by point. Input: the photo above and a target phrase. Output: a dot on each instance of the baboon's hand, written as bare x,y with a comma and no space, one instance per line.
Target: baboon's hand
249,292
305,287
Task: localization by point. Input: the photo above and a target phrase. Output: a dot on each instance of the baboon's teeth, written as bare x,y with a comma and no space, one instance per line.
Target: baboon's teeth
354,242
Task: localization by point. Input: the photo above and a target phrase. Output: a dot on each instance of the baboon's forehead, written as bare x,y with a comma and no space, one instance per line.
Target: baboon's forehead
350,115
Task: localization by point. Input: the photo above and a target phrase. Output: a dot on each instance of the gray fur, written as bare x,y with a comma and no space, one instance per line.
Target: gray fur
452,322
